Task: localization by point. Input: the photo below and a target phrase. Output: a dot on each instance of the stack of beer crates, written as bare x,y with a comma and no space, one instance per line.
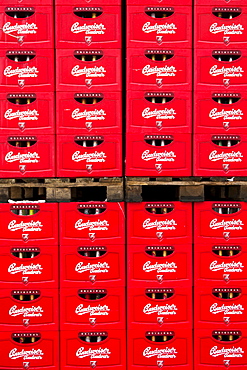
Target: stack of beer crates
29,324
88,85
27,126
92,285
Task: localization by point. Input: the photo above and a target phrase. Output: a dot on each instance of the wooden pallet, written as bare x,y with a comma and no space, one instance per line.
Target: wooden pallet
62,189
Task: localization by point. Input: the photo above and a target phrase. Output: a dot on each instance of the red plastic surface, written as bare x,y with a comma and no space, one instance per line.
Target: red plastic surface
146,228
163,265
27,2
146,74
101,75
212,227
88,2
212,31
80,265
210,159
75,160
38,116
80,229
77,353
222,2
173,31
214,113
160,308
74,116
29,230
145,116
40,313
34,161
37,74
42,354
144,159
35,31
92,313
159,2
103,31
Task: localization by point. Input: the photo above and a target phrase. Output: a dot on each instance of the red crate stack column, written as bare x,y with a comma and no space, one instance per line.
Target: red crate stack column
159,316
29,286
220,285
27,125
92,281
89,98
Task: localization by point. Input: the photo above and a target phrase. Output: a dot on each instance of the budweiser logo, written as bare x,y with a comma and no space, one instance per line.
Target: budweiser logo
160,267
20,29
231,29
97,114
227,267
226,225
22,158
89,29
159,225
159,114
21,72
93,353
166,71
28,115
168,309
164,156
160,353
98,267
226,72
166,28
92,310
89,157
226,114
234,309
25,226
227,352
92,225
88,72
225,157
33,354
31,269
26,311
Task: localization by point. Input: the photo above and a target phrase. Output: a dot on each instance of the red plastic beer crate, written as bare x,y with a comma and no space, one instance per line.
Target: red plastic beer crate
222,264
99,75
26,26
158,307
159,111
92,223
159,223
221,112
88,26
213,73
146,156
220,222
220,26
214,349
27,113
39,226
143,73
220,155
27,156
97,265
88,2
23,350
89,113
29,309
160,348
159,2
222,2
26,70
89,155
92,308
29,267
165,26
149,265
78,352
221,306
26,2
